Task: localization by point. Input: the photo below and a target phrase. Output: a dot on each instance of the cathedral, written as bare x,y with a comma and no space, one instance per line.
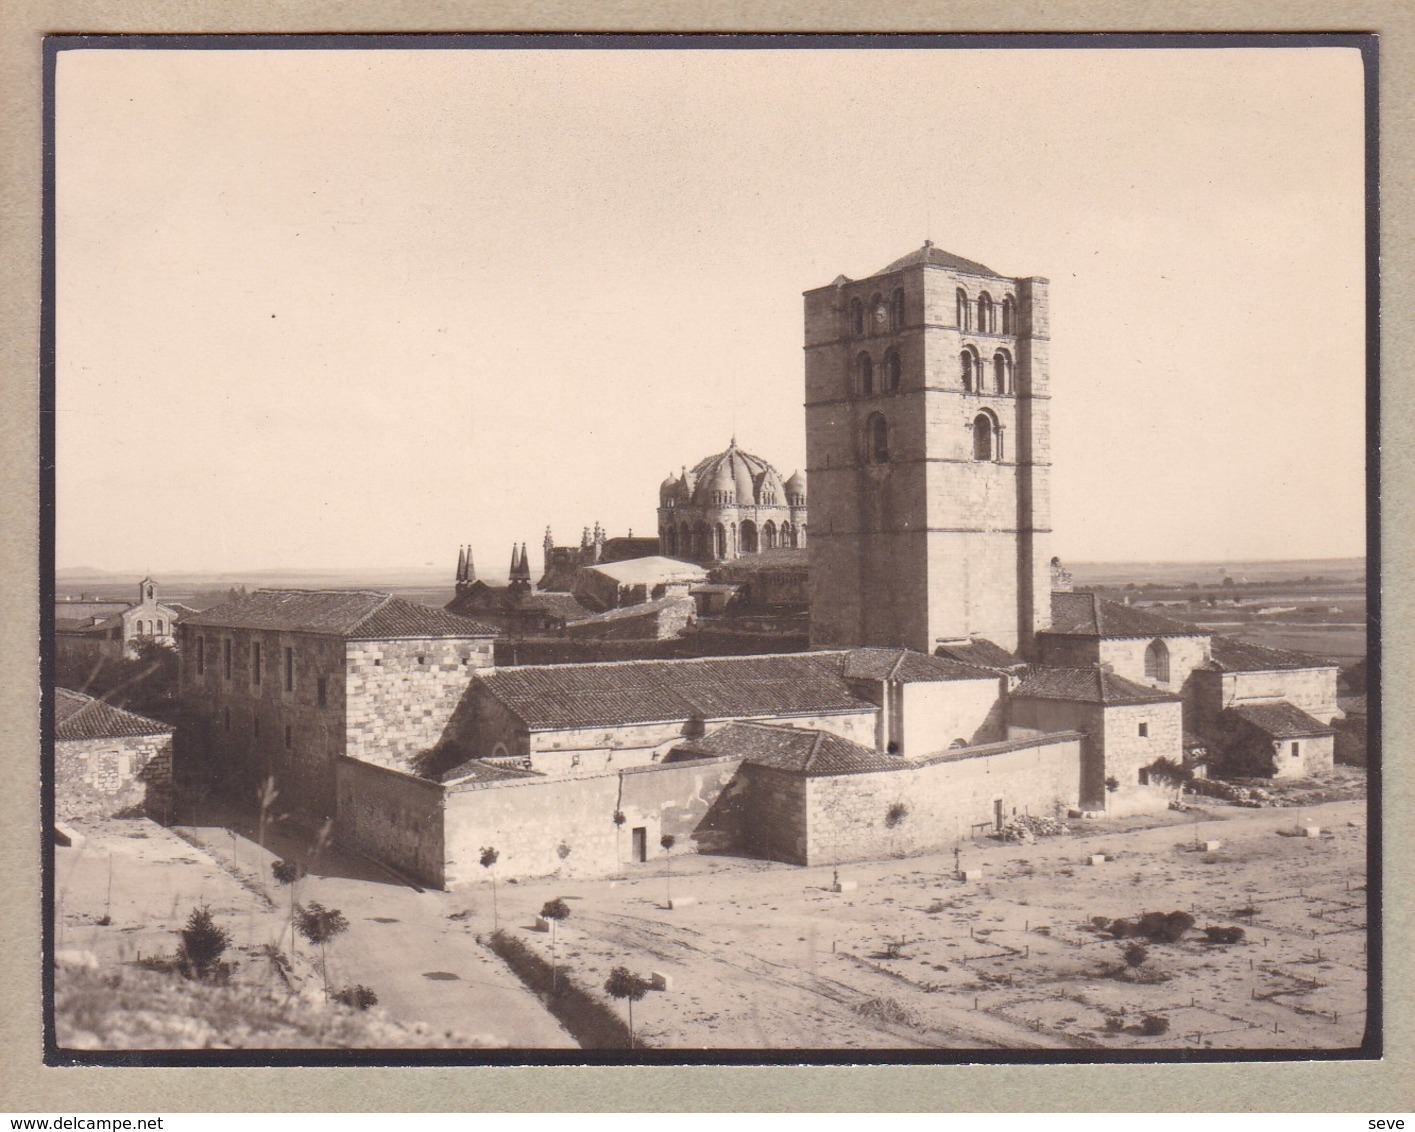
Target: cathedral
951,665
729,505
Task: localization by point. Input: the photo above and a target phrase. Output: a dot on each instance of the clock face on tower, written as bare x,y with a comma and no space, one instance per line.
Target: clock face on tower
881,314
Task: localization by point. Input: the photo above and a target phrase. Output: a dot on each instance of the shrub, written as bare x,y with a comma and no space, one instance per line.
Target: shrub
1135,954
358,996
1153,1025
887,1010
895,814
1224,935
203,944
1114,1025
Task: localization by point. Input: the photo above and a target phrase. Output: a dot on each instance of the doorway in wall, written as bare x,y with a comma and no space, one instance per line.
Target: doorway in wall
641,843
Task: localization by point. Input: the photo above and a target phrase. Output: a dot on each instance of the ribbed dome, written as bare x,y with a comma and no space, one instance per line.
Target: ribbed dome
738,473
667,489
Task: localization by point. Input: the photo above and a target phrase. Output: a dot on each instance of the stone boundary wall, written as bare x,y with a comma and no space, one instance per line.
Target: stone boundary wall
394,817
98,778
944,799
565,827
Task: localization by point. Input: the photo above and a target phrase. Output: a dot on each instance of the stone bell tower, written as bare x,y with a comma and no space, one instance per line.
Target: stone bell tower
927,445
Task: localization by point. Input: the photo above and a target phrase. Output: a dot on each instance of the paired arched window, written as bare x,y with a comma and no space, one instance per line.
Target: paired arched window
857,317
986,440
965,322
972,371
865,375
1157,662
896,307
1009,315
877,439
985,314
1002,372
893,370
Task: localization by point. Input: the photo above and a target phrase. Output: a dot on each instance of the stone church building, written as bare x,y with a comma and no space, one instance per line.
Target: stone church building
949,686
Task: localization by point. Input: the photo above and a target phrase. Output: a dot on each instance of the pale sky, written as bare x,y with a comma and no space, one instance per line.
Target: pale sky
351,309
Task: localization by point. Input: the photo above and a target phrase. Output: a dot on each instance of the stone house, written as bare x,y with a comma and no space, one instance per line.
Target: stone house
281,683
613,585
1274,740
108,761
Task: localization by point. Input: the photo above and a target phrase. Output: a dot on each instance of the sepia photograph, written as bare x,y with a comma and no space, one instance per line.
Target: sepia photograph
694,549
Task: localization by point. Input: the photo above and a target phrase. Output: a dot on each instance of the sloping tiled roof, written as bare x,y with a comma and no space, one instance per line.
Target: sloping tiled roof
979,651
77,716
937,257
553,696
904,666
1281,720
1087,686
812,753
476,770
356,614
649,571
642,609
1229,655
1088,615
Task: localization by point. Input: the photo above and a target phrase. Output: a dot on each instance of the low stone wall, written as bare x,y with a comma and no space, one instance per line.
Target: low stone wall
394,817
98,778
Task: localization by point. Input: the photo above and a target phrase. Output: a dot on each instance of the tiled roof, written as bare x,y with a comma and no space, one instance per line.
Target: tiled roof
778,558
643,609
1281,720
937,257
649,571
1088,615
77,716
363,615
1087,686
905,666
979,651
812,753
476,771
1229,655
554,696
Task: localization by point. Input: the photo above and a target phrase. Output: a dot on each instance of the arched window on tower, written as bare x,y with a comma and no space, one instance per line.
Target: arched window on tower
865,375
896,307
857,317
984,437
971,372
1002,372
877,439
1009,315
1157,662
892,370
985,314
964,322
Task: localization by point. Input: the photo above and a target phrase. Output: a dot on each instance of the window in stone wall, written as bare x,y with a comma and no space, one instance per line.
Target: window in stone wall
857,317
877,439
865,375
322,690
289,670
1144,731
964,322
256,658
985,319
1157,662
201,656
1009,316
289,736
226,658
985,437
1296,750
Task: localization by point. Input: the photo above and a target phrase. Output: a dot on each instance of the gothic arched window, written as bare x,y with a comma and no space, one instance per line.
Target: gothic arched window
1157,662
984,437
865,375
877,439
857,317
892,371
1002,372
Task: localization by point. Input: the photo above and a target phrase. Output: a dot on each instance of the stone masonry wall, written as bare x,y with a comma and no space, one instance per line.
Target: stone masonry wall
1126,657
402,693
1311,689
98,778
565,827
848,815
776,815
1127,753
393,817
